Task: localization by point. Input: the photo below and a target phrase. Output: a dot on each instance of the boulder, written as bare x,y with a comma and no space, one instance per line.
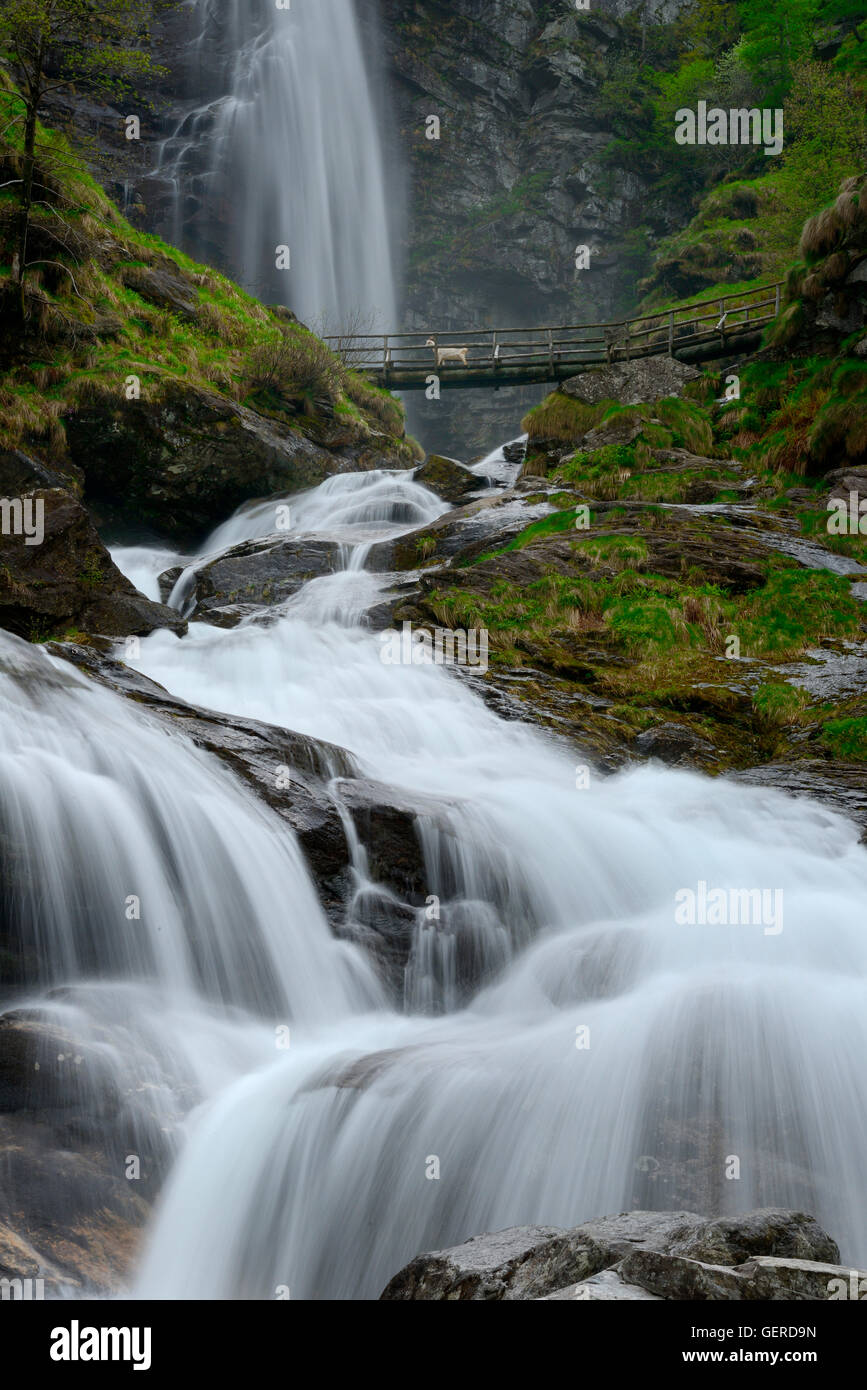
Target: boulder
384,820
21,473
447,478
71,1110
44,1068
68,581
621,430
185,461
631,383
468,531
68,1215
845,481
674,744
665,1249
259,573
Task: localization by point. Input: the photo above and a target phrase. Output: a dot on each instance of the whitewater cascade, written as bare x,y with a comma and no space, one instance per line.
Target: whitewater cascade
566,1048
295,159
153,911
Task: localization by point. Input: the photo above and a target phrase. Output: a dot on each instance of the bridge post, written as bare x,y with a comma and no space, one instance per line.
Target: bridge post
777,302
671,332
386,359
551,352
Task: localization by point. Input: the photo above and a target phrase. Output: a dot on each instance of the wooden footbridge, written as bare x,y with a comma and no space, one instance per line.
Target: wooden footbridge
495,357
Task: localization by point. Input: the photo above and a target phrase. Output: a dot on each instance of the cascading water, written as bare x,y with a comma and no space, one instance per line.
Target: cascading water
296,159
150,908
596,1055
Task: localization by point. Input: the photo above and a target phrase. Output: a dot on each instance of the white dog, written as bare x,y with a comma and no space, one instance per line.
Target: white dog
448,354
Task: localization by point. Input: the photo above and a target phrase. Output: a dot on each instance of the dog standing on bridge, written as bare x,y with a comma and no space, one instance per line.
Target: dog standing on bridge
447,354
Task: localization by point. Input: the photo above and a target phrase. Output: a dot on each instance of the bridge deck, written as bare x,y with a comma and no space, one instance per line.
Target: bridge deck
495,357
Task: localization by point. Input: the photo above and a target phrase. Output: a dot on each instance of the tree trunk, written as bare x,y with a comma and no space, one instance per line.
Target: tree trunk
33,99
27,183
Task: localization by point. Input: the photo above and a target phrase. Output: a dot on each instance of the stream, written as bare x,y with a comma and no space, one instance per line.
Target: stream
567,1048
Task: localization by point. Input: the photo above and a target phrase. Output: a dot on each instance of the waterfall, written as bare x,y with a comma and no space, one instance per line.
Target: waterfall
567,1048
150,907
295,159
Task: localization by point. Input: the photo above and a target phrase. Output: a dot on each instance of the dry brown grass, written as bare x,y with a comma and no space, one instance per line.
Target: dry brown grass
562,420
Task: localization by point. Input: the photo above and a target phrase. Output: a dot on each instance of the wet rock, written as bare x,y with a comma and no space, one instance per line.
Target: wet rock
71,1111
68,581
839,785
289,771
312,785
20,473
226,616
70,1218
186,461
384,926
522,1262
466,532
674,744
775,1278
730,1240
385,821
261,573
399,596
167,581
516,452
447,478
44,1068
532,1262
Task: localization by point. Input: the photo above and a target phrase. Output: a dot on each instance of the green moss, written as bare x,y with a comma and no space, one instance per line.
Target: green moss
846,738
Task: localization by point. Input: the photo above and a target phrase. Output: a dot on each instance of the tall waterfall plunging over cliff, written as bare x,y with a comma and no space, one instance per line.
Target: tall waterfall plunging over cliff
295,159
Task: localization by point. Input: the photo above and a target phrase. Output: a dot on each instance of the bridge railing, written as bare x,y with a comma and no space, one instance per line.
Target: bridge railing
650,334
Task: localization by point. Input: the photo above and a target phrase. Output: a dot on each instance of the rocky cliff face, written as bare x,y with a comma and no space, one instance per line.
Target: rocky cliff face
498,204
516,181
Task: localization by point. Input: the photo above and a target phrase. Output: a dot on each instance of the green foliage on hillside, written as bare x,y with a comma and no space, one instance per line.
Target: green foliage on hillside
807,57
107,303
